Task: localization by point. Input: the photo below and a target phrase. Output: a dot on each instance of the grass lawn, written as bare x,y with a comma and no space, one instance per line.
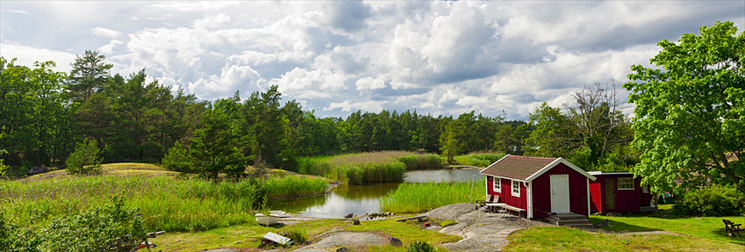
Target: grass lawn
696,234
249,236
569,239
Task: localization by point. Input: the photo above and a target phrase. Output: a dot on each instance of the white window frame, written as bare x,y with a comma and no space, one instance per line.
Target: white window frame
497,185
516,188
623,184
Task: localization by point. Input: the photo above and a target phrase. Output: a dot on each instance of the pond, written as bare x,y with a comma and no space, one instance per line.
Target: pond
361,199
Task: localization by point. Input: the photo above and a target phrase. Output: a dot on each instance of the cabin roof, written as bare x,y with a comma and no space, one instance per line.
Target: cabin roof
525,168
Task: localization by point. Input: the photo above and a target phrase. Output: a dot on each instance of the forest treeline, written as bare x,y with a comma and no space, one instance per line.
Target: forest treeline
44,113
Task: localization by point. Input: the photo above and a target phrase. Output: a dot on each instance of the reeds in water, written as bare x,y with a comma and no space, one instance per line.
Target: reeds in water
479,159
419,197
369,167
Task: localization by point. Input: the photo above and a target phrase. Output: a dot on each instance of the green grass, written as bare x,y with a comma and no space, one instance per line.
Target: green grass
569,239
369,167
249,236
294,186
419,197
166,202
478,159
704,227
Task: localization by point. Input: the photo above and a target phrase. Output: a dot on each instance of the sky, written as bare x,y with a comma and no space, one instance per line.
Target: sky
335,57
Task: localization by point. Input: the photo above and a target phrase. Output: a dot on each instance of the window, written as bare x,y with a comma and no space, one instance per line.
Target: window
515,188
497,185
625,183
645,189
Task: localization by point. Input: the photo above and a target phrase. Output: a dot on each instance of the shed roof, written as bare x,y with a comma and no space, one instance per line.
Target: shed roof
527,168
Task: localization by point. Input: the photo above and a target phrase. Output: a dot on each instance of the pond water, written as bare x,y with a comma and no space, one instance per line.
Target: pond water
361,199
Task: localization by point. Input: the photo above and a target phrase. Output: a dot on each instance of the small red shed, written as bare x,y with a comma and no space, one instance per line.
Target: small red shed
619,192
540,186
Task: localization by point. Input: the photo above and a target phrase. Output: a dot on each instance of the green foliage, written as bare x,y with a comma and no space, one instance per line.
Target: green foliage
85,159
298,237
690,110
422,162
715,200
594,135
479,159
166,202
215,148
177,159
363,168
420,246
294,186
414,198
446,223
109,228
112,227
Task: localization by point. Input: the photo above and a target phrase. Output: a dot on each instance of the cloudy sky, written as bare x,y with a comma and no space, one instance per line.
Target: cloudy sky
335,57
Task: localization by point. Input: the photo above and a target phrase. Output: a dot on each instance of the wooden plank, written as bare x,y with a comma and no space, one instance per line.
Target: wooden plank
277,238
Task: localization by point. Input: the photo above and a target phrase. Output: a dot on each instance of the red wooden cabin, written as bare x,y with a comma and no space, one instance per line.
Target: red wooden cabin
619,192
540,186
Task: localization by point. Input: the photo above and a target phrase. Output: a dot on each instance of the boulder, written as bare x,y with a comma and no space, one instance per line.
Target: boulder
37,170
395,242
356,222
342,249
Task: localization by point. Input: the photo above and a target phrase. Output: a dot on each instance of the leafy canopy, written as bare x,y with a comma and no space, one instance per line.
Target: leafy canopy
690,110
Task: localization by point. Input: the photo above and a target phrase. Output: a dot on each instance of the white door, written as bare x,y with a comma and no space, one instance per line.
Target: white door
560,193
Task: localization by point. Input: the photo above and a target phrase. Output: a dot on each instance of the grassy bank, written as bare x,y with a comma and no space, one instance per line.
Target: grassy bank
413,198
249,236
569,239
370,167
478,159
166,202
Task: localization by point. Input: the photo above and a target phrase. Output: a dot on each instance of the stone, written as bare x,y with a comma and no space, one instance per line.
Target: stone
342,249
37,170
614,214
396,242
356,222
349,215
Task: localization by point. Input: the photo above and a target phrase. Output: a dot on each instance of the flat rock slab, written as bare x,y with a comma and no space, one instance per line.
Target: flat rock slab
348,239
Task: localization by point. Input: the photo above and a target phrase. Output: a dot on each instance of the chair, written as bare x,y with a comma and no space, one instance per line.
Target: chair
731,228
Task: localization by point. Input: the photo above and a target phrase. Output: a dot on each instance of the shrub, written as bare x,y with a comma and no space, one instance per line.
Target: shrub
298,237
177,159
85,159
420,246
109,228
715,200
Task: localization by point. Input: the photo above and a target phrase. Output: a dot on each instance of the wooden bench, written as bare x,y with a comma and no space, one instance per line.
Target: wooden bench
505,207
731,228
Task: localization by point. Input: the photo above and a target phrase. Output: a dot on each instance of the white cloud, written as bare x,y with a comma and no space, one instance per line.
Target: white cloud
28,55
438,57
106,32
369,83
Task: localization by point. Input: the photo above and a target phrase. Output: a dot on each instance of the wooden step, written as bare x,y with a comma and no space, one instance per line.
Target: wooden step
569,220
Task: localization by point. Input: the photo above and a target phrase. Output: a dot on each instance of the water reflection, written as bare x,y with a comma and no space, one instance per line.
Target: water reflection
361,199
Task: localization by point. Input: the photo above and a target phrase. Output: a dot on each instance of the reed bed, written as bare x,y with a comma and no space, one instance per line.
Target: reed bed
479,159
166,202
369,167
419,197
294,186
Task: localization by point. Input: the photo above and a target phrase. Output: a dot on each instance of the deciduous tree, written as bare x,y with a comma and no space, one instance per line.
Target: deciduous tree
690,110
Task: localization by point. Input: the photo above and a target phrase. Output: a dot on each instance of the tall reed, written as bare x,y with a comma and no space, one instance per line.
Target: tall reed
166,202
294,186
369,167
419,197
479,159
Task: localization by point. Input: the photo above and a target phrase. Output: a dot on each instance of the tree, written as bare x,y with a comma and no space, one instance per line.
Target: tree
85,159
215,148
690,110
592,135
89,74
